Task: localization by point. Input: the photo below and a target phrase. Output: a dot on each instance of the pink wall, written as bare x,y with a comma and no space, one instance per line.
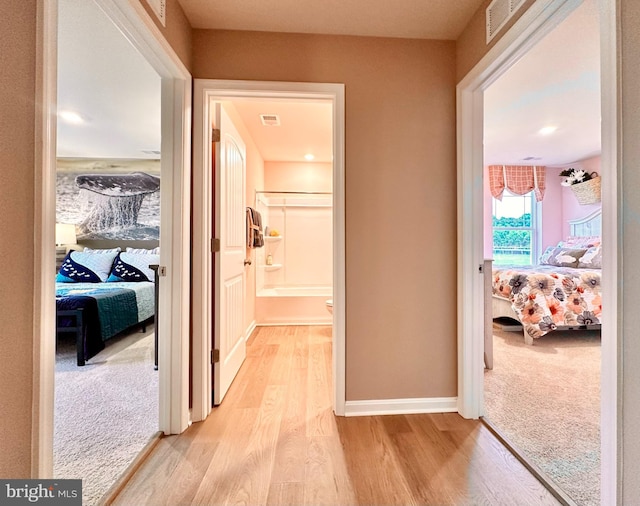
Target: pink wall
558,207
571,210
298,176
552,216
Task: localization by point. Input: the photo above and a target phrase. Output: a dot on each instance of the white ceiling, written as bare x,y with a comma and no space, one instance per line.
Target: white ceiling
305,128
105,80
415,19
108,83
557,83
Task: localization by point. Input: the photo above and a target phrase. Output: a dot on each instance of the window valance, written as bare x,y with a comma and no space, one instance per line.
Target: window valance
518,179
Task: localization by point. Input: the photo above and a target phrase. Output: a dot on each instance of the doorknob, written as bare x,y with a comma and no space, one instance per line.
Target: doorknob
247,261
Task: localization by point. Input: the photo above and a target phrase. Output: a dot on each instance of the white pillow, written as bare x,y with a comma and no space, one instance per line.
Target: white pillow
85,266
102,251
143,251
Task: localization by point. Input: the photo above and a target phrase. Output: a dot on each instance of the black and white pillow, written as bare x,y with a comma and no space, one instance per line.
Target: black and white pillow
85,267
133,267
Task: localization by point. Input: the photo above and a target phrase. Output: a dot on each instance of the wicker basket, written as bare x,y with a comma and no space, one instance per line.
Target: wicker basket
587,192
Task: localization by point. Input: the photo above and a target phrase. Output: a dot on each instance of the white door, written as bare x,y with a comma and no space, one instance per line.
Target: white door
229,281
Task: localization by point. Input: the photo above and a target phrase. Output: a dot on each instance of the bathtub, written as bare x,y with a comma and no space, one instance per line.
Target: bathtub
293,306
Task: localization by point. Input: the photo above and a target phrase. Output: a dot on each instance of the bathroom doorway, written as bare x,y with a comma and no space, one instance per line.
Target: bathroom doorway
271,118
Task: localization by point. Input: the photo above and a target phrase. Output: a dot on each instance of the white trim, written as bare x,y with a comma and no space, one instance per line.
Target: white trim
252,326
202,227
610,412
401,406
288,324
204,92
173,312
534,24
44,308
136,25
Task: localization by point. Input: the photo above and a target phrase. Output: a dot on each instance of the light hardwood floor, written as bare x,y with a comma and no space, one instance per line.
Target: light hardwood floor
274,440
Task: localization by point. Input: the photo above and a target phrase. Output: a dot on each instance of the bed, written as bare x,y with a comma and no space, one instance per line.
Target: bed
563,292
102,293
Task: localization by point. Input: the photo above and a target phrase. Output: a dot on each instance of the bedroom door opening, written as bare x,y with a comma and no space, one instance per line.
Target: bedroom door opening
534,24
108,197
545,340
172,414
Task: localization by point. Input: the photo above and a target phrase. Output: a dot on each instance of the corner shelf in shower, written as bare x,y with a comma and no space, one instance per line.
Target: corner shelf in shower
270,238
272,267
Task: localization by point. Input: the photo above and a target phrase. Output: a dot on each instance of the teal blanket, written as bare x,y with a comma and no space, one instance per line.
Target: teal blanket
116,307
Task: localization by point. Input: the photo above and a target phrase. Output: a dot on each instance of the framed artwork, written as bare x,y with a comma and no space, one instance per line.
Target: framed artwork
109,199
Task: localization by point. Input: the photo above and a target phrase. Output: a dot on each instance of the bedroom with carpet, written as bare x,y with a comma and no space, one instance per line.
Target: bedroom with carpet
542,236
108,189
106,372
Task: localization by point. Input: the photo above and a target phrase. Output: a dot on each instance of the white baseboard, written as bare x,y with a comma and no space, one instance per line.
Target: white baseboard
249,331
301,323
401,406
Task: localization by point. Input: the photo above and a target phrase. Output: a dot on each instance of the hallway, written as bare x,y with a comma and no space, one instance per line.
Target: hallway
274,440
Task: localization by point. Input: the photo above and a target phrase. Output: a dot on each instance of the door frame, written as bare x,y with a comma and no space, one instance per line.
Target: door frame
535,23
206,91
130,17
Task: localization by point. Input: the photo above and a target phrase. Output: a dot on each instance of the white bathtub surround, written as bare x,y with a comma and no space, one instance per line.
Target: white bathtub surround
294,272
286,307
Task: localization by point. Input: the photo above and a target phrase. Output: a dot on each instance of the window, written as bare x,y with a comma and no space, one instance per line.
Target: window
516,229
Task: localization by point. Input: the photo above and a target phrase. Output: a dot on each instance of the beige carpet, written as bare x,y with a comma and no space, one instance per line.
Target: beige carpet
105,412
545,399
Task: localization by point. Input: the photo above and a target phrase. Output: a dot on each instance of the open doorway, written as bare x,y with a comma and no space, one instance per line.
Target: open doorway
209,93
108,187
542,392
529,30
174,167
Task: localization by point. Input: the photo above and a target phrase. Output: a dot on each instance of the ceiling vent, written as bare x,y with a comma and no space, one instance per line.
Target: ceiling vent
270,119
498,13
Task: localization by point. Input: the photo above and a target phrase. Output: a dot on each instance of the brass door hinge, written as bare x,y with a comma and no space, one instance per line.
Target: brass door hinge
215,356
215,245
215,135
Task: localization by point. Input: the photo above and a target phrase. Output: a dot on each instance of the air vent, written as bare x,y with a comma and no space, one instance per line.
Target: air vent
270,119
498,13
530,158
151,151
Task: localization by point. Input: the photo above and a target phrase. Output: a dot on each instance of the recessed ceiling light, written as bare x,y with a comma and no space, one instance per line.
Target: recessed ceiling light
547,130
309,157
71,117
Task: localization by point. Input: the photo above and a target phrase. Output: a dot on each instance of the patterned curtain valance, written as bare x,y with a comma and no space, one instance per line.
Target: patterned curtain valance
518,179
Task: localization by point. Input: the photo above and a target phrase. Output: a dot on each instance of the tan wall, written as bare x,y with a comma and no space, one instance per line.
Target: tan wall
629,113
298,176
17,92
178,30
471,46
400,193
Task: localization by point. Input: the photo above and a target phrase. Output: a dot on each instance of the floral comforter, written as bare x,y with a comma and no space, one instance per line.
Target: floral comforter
545,297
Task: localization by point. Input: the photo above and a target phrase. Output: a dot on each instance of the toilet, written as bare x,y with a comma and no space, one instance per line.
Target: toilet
329,304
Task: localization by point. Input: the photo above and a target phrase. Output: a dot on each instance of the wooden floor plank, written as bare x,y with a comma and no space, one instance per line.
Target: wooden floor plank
286,494
275,440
